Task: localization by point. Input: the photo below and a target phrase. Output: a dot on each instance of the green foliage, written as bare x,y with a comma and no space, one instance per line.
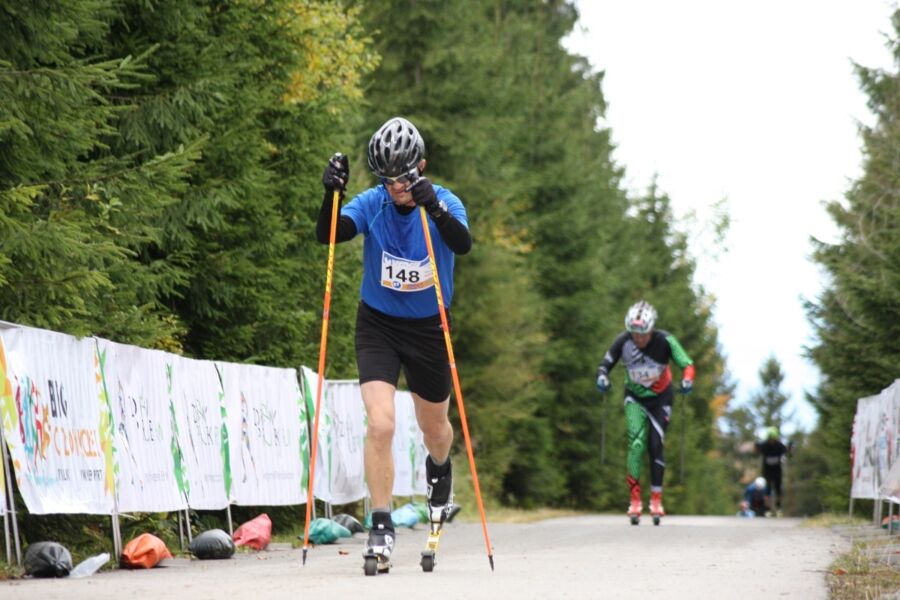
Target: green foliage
160,179
857,317
74,215
768,404
509,118
743,425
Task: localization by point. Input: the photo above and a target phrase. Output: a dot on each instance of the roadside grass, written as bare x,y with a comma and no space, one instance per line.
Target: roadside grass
834,520
866,570
8,571
859,574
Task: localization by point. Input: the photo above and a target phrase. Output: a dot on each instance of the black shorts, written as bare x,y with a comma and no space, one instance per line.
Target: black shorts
385,343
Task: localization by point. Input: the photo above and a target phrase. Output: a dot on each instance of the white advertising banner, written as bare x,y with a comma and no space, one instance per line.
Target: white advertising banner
322,486
409,449
198,403
136,382
264,424
342,442
890,487
56,422
862,449
874,447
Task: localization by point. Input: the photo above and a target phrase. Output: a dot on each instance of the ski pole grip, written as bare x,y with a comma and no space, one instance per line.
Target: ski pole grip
339,160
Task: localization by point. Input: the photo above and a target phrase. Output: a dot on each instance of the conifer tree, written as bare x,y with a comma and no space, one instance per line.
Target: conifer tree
249,82
769,402
74,214
857,317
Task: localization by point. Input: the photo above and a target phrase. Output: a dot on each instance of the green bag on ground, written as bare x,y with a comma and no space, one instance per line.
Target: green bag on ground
326,531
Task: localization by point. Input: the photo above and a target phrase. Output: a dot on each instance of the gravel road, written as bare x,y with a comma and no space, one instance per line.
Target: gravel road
598,556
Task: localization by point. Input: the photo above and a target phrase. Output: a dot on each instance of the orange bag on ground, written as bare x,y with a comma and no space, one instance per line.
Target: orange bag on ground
144,552
256,533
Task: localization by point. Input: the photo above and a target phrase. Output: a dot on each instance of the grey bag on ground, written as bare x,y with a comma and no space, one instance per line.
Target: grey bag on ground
349,522
214,543
47,559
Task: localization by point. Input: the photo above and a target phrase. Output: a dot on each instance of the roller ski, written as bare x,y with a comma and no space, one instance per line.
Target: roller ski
377,553
439,505
635,507
656,507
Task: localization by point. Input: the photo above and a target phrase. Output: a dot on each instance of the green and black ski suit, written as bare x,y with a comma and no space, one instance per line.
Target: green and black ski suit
648,396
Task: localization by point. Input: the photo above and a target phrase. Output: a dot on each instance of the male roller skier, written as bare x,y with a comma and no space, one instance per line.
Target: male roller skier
645,352
398,322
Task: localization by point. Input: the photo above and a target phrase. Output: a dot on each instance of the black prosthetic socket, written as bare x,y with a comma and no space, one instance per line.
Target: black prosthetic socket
440,481
381,519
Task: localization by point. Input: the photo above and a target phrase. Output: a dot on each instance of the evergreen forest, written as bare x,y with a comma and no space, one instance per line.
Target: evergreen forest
161,175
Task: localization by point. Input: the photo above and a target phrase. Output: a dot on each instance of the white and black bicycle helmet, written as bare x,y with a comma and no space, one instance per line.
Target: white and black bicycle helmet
395,148
641,318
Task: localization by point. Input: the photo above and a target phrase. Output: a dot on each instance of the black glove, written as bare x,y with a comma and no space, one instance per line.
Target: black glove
337,173
423,195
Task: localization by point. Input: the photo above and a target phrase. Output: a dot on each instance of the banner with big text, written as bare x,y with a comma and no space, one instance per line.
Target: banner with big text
137,384
56,422
874,448
268,434
200,430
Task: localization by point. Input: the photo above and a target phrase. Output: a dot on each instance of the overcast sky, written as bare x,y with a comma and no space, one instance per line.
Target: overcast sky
753,102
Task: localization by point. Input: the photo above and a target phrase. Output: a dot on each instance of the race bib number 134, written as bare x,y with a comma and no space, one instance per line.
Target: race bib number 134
404,275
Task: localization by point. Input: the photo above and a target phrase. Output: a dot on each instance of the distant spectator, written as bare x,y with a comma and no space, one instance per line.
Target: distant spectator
745,510
757,497
772,451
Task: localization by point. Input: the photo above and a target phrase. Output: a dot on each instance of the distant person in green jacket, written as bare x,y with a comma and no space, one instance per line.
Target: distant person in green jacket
645,353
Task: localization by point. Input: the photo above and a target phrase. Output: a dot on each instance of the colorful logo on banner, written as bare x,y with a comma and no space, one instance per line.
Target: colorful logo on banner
106,426
307,414
37,415
224,447
246,446
184,485
6,404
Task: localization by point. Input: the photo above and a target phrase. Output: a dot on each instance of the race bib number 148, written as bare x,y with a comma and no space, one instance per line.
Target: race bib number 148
404,275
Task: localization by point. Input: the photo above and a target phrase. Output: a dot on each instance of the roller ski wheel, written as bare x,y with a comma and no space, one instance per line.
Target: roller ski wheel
370,566
634,511
377,553
427,561
374,564
438,516
656,509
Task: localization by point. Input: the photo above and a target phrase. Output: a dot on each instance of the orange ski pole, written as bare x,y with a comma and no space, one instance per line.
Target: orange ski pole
456,387
323,343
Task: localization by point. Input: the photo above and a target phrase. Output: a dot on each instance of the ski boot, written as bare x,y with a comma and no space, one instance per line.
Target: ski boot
377,552
635,508
439,491
656,508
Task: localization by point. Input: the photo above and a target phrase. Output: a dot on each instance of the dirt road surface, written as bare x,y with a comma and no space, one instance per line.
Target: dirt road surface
578,557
